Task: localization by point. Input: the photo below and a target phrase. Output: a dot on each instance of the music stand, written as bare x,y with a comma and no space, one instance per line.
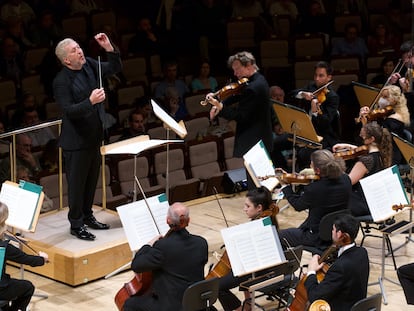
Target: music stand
365,94
169,124
407,150
133,146
297,122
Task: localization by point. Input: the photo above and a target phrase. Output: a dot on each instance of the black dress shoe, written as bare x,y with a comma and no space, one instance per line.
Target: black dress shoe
82,233
91,222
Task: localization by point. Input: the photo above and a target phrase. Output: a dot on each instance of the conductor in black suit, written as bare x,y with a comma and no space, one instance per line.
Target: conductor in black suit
78,91
253,111
346,281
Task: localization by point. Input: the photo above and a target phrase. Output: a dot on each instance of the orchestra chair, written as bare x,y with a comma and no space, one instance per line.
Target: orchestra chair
201,295
325,232
371,303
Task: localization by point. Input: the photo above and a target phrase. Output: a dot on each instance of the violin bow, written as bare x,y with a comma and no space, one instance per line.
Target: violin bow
322,87
221,209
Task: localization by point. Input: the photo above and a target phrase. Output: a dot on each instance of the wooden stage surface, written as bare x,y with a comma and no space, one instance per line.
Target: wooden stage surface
93,260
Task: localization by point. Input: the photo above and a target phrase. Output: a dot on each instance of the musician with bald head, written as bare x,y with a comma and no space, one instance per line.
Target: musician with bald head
176,261
79,92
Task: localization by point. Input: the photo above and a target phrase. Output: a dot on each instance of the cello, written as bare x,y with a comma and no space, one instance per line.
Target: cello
301,302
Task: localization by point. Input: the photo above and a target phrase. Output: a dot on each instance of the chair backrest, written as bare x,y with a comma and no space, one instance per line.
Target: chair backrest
371,303
325,226
201,295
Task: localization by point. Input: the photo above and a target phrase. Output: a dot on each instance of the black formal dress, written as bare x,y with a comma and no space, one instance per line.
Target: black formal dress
19,291
345,283
82,132
253,116
320,197
176,262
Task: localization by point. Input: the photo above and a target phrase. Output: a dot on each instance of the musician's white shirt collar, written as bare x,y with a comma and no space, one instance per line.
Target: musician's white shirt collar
344,248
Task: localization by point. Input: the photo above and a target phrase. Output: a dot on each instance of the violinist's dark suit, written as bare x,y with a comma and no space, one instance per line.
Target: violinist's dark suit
406,276
20,291
320,198
345,283
176,262
82,132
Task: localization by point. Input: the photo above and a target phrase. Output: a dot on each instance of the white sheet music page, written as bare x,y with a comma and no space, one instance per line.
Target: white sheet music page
259,164
252,246
178,128
382,190
138,224
21,203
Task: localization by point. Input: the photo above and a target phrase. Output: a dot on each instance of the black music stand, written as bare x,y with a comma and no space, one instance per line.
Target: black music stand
365,94
298,124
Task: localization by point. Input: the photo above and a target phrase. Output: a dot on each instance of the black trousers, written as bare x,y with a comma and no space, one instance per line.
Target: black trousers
82,172
228,300
19,292
406,276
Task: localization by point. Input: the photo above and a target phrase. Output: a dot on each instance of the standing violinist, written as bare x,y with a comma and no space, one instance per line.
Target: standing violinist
346,280
391,99
176,261
328,194
379,143
258,204
253,110
323,109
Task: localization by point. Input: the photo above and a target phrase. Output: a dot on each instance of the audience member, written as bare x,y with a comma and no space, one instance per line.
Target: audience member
17,32
17,10
330,193
147,40
83,7
172,101
314,20
45,32
39,136
27,101
351,44
387,67
284,7
353,7
204,81
136,125
49,159
24,157
11,62
382,41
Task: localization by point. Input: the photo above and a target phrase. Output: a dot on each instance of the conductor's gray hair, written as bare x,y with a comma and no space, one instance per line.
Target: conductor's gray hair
60,50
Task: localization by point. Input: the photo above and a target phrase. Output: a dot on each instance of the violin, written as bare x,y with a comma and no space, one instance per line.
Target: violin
320,94
300,301
292,178
228,90
397,207
353,153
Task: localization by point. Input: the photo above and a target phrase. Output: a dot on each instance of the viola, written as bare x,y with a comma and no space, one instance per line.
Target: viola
228,90
353,153
301,302
292,178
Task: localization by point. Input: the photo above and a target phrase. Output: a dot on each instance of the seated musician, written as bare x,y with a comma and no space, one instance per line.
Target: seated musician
328,194
391,99
378,141
346,280
406,277
176,261
258,204
19,292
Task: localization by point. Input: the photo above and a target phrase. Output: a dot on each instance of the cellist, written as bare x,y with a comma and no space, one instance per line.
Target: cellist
258,203
346,280
176,261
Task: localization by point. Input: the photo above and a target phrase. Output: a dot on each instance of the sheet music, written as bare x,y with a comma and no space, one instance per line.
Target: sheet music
382,190
22,205
138,224
178,128
252,246
259,164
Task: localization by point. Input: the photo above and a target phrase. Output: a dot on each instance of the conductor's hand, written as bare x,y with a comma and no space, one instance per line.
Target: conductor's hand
104,42
97,96
314,265
44,255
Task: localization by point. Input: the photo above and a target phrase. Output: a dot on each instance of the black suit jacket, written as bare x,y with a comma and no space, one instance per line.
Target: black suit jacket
82,122
18,256
176,262
345,283
252,114
320,198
